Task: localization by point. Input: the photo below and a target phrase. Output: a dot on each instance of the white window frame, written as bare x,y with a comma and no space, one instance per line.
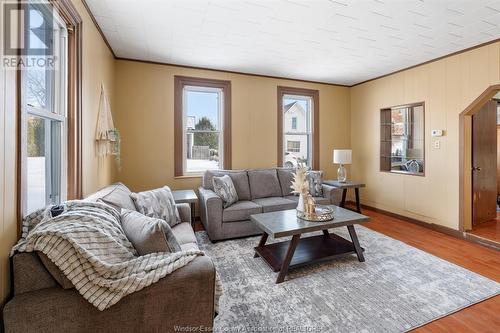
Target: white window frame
309,126
56,111
220,125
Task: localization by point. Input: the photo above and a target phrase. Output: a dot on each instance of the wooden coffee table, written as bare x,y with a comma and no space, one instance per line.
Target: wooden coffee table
301,251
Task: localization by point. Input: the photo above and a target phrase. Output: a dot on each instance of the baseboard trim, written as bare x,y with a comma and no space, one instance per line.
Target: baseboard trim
436,227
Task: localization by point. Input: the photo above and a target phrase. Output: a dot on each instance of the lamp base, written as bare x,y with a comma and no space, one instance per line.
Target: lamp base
341,174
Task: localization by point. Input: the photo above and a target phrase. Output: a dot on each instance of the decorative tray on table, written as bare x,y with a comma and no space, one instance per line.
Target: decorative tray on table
319,214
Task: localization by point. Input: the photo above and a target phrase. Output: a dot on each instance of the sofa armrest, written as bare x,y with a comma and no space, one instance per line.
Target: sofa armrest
183,298
211,212
333,193
184,212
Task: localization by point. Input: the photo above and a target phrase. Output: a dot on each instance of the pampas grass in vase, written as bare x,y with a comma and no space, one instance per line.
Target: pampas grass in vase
300,185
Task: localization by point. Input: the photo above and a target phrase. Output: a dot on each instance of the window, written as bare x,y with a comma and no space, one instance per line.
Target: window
298,129
293,146
202,131
50,134
44,99
402,139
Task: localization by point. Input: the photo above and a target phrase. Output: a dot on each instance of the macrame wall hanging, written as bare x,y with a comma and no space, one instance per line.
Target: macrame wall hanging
107,136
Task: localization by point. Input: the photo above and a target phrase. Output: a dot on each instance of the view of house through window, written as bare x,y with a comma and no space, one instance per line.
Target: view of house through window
297,130
44,100
203,114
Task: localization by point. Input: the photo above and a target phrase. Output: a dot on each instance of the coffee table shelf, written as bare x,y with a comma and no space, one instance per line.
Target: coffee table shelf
299,251
309,250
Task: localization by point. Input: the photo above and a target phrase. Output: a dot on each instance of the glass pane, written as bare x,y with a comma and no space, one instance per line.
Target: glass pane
296,150
39,81
202,152
202,109
44,162
38,86
297,113
36,166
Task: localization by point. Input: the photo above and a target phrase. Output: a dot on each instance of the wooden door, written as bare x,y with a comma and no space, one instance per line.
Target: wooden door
484,164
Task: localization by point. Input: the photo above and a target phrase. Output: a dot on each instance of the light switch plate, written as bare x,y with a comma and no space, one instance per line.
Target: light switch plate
436,133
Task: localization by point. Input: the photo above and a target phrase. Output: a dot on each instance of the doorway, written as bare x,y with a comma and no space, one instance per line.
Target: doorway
480,167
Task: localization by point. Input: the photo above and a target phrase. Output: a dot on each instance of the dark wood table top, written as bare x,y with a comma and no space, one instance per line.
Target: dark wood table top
286,223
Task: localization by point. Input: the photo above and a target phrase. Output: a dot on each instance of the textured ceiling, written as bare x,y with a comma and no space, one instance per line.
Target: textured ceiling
344,42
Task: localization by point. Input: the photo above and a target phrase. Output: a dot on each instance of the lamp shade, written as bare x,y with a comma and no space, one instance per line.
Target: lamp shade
342,156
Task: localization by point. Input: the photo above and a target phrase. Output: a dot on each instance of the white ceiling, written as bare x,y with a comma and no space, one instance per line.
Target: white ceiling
333,41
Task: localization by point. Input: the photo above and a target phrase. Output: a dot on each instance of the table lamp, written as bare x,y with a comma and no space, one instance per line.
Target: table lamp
342,156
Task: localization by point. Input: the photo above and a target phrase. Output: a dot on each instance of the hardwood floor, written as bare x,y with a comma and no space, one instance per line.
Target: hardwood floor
482,317
489,230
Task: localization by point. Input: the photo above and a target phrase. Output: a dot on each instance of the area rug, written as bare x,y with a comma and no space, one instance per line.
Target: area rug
396,289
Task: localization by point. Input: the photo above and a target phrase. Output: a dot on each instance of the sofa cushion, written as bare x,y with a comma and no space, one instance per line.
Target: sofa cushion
264,183
318,200
158,203
315,179
184,233
116,195
190,247
275,203
224,188
148,234
293,198
285,176
239,178
240,211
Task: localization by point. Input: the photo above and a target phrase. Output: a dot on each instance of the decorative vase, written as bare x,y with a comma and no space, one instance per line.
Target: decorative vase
300,205
342,174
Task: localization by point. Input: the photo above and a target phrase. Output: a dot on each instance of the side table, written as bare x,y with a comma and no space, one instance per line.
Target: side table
186,196
344,186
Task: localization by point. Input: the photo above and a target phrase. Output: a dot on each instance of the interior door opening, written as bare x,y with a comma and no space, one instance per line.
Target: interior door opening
485,171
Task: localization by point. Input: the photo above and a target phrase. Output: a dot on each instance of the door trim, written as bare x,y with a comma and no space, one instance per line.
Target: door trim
465,156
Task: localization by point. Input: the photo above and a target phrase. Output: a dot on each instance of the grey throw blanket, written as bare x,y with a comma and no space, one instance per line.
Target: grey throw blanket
89,246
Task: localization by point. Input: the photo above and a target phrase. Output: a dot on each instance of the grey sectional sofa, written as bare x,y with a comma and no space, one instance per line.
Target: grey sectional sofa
40,303
259,191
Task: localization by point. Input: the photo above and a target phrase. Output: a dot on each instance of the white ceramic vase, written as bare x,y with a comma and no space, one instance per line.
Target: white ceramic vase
300,205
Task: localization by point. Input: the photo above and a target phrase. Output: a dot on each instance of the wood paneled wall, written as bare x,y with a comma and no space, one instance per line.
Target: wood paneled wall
447,86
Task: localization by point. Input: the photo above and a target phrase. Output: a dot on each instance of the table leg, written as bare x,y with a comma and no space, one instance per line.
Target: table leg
192,215
358,204
289,255
355,242
344,193
326,233
262,242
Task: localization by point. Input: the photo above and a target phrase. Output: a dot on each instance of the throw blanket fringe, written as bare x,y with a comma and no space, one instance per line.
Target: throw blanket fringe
89,246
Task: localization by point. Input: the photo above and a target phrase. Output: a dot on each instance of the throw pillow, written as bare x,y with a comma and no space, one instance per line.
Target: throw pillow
158,203
224,188
148,234
315,183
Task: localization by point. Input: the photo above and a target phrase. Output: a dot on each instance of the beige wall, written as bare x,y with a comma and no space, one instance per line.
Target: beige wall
98,66
446,86
144,108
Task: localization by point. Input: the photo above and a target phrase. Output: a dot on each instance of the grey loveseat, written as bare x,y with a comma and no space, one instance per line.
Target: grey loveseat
41,302
259,191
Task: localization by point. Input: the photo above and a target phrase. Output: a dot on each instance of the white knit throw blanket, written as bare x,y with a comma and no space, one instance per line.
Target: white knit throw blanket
88,245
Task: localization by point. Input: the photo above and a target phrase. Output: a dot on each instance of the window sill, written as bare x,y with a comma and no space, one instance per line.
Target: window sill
189,176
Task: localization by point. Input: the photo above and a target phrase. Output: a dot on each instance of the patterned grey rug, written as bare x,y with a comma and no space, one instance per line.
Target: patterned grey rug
398,288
